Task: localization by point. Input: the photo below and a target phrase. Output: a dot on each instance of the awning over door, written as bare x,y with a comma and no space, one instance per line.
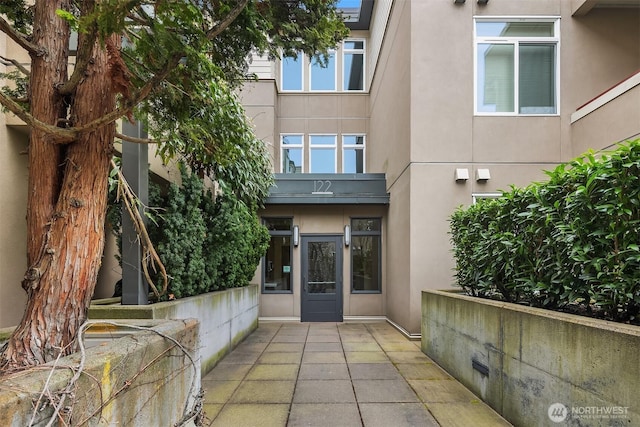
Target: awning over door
336,189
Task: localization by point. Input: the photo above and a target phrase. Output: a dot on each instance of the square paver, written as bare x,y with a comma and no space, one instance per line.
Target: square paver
323,338
323,415
357,338
361,346
323,391
422,371
374,371
397,415
280,358
442,391
323,357
219,391
366,357
211,410
251,346
284,347
289,338
408,357
466,414
323,346
240,357
252,415
264,392
399,346
228,372
273,372
323,371
373,391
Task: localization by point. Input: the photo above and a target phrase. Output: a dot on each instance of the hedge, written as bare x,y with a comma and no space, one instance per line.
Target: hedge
573,241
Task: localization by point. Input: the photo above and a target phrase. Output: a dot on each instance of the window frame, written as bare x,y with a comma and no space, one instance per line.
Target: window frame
361,147
366,233
303,58
516,41
324,147
284,146
275,233
363,51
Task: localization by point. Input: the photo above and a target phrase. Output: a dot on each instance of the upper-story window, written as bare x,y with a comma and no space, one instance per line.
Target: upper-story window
322,153
291,72
517,66
343,70
352,153
322,76
353,65
292,153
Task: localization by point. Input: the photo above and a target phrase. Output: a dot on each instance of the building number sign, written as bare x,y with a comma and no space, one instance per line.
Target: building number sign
321,186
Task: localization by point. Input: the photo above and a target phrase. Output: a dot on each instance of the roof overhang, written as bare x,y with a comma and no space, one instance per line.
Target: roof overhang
356,13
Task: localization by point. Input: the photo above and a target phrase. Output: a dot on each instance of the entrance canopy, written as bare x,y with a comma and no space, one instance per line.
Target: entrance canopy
334,189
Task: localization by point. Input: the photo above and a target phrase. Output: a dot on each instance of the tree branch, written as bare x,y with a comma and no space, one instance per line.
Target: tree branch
83,56
59,135
20,38
19,66
136,140
222,25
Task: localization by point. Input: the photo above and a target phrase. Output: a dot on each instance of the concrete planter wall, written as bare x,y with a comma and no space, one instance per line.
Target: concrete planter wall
534,366
225,317
141,379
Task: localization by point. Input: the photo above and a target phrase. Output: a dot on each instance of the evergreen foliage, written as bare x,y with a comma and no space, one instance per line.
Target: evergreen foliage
573,241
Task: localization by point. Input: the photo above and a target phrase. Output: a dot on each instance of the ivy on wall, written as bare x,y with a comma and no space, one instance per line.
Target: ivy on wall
571,242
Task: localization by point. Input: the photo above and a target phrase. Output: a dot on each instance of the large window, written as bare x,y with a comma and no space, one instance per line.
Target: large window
276,265
292,72
322,76
352,153
292,153
516,66
322,153
353,65
366,255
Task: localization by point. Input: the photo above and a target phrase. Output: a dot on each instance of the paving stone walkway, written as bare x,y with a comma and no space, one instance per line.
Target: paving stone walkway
336,375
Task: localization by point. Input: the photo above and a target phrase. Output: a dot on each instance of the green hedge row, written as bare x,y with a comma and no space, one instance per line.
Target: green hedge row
206,243
573,241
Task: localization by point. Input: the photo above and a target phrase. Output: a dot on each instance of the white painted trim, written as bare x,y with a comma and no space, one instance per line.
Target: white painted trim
278,319
606,97
404,332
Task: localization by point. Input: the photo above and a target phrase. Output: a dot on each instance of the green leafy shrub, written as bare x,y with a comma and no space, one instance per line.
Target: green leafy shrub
206,242
571,241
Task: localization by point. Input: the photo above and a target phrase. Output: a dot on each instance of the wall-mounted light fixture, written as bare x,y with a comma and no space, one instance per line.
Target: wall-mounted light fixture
483,2
296,235
347,235
483,175
458,1
462,174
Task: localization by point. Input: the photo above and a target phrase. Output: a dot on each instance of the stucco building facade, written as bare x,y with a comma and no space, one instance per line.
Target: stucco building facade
428,105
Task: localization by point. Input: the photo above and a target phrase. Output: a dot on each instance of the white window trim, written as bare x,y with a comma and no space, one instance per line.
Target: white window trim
333,147
286,146
362,147
303,58
476,196
335,74
364,63
514,41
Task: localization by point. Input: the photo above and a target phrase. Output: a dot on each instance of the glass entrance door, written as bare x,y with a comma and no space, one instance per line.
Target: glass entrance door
321,279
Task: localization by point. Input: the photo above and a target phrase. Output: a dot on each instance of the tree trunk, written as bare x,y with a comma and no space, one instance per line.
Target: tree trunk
64,266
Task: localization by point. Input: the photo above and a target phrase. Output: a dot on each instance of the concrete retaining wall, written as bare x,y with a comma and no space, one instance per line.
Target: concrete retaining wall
142,379
226,318
523,360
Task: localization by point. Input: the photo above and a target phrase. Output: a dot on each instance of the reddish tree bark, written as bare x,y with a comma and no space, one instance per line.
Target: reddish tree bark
67,198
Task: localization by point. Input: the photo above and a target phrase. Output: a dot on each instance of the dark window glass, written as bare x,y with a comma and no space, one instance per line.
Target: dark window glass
366,255
365,224
276,263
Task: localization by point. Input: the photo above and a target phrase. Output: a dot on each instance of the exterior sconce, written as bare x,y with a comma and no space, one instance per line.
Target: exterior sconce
483,2
296,235
483,175
347,235
462,174
458,1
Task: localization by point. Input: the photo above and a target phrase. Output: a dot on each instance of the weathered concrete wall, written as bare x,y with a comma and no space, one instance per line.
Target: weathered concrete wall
226,318
535,358
141,379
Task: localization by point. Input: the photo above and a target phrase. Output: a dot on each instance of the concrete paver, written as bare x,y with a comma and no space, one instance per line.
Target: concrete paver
336,374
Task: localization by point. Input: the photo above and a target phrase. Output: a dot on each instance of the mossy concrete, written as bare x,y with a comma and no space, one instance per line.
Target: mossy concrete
226,318
534,358
143,378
